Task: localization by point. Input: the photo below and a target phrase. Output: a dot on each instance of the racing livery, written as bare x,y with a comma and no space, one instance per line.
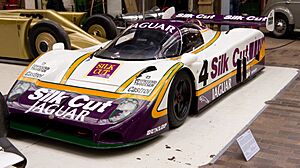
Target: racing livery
139,85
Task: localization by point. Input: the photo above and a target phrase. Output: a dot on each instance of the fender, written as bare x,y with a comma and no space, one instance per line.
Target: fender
47,68
278,8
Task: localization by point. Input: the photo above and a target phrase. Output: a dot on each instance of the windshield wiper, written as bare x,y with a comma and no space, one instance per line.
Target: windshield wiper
92,55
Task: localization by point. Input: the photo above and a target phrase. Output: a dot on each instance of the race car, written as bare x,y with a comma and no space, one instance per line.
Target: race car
26,34
141,84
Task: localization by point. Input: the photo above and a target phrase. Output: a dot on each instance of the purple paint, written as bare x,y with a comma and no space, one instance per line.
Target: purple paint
33,103
236,20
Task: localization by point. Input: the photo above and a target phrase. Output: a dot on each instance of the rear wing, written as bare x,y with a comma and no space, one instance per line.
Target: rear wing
233,20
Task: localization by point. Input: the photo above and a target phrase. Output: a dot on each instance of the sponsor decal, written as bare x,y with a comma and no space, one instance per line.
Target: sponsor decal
156,129
103,69
155,26
142,91
146,83
37,71
221,64
221,89
31,74
203,99
59,104
142,86
249,51
223,17
40,68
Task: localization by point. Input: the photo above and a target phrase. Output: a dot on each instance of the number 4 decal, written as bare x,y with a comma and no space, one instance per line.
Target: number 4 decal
203,76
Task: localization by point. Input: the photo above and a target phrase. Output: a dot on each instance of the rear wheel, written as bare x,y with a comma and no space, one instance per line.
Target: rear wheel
4,120
100,25
282,27
179,99
44,34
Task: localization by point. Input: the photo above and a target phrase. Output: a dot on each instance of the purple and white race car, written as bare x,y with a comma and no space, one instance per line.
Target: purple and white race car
139,85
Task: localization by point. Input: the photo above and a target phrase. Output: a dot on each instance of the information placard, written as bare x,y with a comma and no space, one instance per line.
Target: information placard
248,144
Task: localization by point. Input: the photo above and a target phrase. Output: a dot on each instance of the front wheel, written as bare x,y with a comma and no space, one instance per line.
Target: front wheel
44,34
179,99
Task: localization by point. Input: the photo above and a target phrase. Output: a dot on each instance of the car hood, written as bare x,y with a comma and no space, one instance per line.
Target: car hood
79,69
119,76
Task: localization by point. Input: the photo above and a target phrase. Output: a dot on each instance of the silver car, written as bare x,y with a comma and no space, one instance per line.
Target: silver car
287,16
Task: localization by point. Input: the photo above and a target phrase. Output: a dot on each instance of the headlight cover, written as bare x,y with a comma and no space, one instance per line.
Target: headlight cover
19,89
124,109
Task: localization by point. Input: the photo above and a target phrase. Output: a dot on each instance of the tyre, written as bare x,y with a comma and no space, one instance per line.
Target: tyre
179,99
44,34
282,27
101,26
4,120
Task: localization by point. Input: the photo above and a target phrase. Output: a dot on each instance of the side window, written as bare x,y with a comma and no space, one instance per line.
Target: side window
191,39
171,48
172,51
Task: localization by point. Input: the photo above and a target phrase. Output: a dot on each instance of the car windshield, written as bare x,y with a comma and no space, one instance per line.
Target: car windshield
142,44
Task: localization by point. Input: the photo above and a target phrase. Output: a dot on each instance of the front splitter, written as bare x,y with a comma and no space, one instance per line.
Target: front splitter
68,138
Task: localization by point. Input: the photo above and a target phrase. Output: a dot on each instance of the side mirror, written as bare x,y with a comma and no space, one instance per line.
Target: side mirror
270,23
58,46
169,13
188,58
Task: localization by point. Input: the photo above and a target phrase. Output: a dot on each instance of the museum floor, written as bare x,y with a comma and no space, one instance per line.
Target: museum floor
277,129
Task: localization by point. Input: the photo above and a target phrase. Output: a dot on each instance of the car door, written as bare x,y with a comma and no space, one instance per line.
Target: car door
294,6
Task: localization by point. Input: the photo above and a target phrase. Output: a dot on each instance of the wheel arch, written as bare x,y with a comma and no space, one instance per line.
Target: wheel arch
193,79
281,10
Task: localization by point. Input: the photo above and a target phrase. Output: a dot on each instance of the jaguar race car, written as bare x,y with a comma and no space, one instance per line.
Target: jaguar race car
25,34
141,84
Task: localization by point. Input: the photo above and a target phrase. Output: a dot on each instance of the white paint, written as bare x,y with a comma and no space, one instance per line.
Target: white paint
208,133
69,5
114,7
8,159
30,4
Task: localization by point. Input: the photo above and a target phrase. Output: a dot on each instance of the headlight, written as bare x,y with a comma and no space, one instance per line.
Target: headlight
124,109
19,89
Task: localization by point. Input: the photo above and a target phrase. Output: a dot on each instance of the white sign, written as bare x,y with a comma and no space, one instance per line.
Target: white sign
248,145
8,159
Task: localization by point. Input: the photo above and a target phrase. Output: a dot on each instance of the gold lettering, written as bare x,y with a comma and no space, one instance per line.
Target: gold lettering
100,66
97,71
105,67
111,67
105,72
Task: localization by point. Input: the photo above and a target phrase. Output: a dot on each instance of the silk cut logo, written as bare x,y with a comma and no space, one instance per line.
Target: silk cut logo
103,69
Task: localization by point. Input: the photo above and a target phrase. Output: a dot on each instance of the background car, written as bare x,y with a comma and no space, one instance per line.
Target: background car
287,16
27,34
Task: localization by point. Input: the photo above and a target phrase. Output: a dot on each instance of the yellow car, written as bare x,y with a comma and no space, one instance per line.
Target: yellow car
26,34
